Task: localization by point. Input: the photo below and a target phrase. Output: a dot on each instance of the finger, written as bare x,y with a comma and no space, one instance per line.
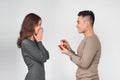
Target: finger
40,31
41,28
66,45
63,47
34,35
60,47
64,51
64,41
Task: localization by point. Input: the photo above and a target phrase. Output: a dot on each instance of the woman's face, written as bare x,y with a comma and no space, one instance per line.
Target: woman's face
37,27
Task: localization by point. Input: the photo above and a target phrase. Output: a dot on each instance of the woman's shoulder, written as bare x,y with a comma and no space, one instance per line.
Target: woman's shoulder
26,41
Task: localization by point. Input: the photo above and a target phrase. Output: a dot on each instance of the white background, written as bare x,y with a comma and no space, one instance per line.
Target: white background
59,22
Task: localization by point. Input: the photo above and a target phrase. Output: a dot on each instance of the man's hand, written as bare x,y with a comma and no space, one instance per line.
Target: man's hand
65,44
63,49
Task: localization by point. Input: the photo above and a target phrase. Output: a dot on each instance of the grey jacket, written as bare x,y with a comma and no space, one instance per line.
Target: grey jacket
34,55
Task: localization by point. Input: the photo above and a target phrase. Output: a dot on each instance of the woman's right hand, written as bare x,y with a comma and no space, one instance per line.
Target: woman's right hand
39,35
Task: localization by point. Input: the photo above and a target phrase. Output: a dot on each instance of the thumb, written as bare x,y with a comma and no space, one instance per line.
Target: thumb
35,36
63,47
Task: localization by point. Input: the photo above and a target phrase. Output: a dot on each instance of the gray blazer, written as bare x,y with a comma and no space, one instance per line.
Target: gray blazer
34,55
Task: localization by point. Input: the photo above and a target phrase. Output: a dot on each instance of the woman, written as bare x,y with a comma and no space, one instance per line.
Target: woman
33,51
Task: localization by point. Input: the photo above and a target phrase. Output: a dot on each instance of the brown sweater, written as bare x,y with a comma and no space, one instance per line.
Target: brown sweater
87,58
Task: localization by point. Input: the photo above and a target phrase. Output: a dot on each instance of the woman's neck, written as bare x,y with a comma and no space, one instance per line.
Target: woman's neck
31,38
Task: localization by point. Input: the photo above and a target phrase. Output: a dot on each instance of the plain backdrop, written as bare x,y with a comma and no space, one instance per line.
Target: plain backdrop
59,22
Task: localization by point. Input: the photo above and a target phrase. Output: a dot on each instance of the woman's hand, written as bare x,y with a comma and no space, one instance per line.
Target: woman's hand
39,35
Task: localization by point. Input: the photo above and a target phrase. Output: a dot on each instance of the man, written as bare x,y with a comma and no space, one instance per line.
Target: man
89,51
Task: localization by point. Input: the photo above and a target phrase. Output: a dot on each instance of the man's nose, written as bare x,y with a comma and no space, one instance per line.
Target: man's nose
76,26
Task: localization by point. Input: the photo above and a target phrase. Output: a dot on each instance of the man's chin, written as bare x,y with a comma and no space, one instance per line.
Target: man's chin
80,32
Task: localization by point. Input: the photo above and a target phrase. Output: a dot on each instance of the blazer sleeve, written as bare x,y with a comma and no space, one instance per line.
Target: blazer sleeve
88,55
39,55
44,50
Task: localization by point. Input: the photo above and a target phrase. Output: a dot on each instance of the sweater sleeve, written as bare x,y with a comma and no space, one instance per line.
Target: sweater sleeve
37,54
88,54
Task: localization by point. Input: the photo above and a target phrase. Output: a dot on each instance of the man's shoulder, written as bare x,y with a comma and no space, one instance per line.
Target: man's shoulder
92,39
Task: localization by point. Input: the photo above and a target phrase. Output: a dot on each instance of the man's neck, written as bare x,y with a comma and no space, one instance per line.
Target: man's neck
89,33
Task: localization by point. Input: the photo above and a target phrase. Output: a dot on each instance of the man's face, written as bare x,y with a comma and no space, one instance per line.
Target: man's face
81,24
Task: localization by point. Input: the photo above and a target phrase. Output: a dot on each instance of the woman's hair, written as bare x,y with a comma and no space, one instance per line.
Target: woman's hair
27,28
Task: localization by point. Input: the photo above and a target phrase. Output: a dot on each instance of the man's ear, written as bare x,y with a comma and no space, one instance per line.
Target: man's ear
87,23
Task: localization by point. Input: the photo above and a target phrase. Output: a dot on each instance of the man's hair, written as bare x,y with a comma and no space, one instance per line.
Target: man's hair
88,13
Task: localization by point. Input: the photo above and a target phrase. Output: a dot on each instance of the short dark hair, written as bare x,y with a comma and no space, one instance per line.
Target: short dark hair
88,13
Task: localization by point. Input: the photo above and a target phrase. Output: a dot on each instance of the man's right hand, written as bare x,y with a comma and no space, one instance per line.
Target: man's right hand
66,44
